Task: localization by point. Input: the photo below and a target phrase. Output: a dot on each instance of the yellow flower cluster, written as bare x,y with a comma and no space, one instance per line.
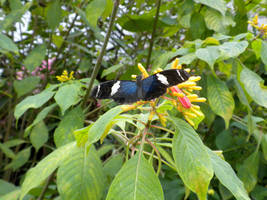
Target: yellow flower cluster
65,76
262,28
184,92
183,97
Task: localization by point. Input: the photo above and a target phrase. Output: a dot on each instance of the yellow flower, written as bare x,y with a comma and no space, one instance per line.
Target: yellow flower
261,28
65,76
182,94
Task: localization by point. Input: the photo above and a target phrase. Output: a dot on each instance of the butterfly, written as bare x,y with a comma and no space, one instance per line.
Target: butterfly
127,92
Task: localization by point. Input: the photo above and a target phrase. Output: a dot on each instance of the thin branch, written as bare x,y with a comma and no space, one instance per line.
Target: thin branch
100,57
153,34
49,179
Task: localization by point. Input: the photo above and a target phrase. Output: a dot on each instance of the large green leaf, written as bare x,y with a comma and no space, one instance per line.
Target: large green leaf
226,175
232,49
35,101
248,171
197,26
36,175
7,44
67,96
220,99
217,22
81,176
26,85
20,159
141,22
35,57
14,16
209,54
94,10
41,115
70,122
39,135
191,158
103,124
136,181
53,15
264,52
112,166
219,5
254,86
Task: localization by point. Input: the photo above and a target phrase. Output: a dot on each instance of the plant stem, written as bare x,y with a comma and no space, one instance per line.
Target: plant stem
49,179
153,34
100,57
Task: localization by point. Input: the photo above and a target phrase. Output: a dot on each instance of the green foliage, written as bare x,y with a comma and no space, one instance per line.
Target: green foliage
56,142
136,180
191,159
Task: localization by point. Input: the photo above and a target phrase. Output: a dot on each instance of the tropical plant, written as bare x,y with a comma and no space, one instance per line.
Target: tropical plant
204,139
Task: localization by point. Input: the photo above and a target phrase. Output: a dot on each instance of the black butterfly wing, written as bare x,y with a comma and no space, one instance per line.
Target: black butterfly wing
120,91
156,85
152,88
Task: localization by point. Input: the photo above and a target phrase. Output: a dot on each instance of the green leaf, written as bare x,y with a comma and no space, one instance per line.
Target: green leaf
108,9
103,124
13,17
26,85
191,158
187,59
219,5
41,116
11,195
111,69
248,171
14,142
39,135
15,4
35,101
220,99
197,26
35,57
94,10
136,180
209,54
232,49
112,166
164,58
256,46
67,96
217,22
36,175
70,122
7,44
81,135
57,40
264,52
6,187
253,84
7,151
20,159
53,15
141,22
226,175
81,176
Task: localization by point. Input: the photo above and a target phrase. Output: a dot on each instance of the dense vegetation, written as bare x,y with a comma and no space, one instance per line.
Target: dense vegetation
204,139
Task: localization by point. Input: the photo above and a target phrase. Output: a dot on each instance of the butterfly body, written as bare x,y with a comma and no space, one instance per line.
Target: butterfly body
154,86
